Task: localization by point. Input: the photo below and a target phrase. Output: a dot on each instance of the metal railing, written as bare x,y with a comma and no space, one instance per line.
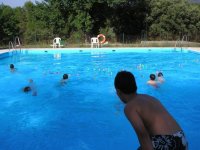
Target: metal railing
184,40
179,43
17,42
143,38
11,46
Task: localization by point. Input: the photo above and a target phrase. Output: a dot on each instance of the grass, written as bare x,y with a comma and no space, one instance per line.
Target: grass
170,44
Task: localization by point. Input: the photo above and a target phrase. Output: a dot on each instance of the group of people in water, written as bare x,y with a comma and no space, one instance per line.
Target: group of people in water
155,127
155,82
31,87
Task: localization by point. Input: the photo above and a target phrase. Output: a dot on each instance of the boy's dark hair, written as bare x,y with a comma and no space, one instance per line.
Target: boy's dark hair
27,89
65,76
160,74
12,66
152,76
125,82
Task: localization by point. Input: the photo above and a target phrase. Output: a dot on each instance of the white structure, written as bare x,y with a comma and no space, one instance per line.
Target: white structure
56,42
94,42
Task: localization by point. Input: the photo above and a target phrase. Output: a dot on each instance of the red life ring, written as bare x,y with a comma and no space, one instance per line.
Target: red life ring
104,38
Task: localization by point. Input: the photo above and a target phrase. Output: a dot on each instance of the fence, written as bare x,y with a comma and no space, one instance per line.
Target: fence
47,39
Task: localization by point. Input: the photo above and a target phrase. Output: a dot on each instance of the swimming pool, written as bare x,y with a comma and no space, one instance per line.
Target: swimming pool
86,114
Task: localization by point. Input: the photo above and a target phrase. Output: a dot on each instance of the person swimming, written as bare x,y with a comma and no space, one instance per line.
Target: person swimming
27,89
160,78
31,87
12,68
64,79
152,80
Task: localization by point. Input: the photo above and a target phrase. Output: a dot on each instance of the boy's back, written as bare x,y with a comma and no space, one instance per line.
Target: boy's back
153,114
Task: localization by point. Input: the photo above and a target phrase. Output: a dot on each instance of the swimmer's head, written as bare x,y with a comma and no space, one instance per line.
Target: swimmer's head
160,74
125,82
30,80
152,76
27,89
12,66
65,76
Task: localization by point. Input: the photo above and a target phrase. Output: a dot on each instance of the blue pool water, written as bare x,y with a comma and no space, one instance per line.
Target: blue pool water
86,114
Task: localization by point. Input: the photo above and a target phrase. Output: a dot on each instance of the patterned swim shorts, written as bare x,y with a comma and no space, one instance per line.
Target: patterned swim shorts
176,141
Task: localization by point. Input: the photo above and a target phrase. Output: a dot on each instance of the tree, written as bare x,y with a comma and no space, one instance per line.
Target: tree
173,17
81,19
8,28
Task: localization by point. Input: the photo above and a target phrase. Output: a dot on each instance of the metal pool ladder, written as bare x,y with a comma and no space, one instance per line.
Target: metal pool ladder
17,42
179,43
143,38
11,46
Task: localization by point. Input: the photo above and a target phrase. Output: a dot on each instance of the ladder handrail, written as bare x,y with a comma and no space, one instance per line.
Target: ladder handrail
17,42
143,37
10,45
178,43
184,39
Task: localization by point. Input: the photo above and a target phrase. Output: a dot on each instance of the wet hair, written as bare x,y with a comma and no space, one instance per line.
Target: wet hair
125,82
160,74
12,66
152,76
65,76
27,89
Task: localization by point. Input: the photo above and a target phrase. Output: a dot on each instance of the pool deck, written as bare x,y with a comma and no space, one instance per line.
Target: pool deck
2,51
196,49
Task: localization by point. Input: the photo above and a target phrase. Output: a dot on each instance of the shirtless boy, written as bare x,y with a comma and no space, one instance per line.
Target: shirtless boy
156,129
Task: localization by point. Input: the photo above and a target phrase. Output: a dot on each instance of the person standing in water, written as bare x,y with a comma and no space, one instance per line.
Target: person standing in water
64,79
152,81
160,77
12,68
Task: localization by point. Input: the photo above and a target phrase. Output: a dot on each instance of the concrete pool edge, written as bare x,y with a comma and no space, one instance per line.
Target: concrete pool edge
193,49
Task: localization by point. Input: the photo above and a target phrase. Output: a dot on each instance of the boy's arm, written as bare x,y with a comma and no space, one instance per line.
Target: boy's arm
140,129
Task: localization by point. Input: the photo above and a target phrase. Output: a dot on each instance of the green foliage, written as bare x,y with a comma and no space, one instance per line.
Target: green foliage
77,37
129,16
81,19
109,32
175,18
8,28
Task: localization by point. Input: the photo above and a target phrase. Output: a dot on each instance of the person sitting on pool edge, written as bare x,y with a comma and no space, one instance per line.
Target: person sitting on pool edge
152,80
12,68
64,79
155,128
31,87
160,78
